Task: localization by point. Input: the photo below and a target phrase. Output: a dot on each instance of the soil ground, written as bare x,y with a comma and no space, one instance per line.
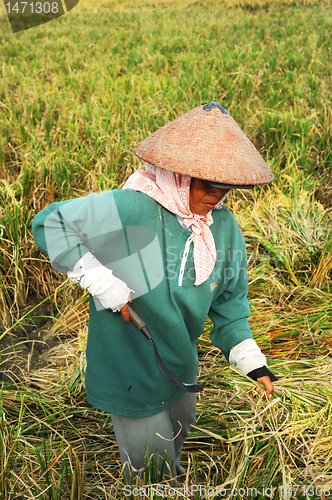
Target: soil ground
26,346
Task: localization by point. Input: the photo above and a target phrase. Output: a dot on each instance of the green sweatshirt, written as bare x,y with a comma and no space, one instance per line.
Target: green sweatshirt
143,244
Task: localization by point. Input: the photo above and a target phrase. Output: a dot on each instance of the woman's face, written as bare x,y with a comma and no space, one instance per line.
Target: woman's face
203,197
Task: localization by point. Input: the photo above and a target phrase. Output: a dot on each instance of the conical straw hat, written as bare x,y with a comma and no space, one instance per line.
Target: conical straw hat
206,143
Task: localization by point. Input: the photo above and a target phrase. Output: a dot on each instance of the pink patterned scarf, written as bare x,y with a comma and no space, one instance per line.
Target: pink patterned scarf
172,192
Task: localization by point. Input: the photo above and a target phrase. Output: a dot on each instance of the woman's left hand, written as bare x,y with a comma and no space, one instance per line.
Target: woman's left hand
266,381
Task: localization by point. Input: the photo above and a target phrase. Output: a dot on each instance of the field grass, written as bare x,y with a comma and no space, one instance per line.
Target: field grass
76,95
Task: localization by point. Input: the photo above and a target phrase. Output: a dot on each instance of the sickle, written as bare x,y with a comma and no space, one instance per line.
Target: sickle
139,323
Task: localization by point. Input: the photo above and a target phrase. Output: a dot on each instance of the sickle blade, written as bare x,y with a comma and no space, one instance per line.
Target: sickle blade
172,378
140,325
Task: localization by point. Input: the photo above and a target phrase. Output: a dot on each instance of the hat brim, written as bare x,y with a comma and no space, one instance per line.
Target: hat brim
228,186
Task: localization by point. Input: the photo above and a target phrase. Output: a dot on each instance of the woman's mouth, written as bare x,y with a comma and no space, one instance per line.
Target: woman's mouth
211,205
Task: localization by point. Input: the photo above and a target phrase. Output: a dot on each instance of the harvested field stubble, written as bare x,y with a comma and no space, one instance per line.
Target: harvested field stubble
238,441
75,96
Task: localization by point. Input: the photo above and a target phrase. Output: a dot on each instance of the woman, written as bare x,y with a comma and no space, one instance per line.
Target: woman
166,241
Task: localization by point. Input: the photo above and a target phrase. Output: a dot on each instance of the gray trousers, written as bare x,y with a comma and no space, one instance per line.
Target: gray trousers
163,432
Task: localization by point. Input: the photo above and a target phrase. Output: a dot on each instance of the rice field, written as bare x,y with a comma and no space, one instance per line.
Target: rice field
76,95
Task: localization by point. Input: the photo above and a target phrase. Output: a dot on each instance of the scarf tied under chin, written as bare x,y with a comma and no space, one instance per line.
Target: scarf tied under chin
172,190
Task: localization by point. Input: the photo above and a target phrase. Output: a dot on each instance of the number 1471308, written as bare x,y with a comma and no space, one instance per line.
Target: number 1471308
306,490
33,8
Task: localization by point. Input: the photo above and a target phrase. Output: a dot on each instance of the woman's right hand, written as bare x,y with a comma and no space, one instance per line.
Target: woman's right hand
125,312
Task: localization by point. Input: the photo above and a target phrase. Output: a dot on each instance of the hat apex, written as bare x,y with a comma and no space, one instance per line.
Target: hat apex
206,143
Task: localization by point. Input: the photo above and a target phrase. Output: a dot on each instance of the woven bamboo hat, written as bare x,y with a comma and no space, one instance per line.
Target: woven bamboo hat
206,143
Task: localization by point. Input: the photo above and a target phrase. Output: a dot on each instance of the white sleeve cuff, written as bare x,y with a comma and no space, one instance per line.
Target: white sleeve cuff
247,356
100,282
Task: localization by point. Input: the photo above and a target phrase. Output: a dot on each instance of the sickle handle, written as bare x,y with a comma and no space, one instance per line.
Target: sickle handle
135,317
138,322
